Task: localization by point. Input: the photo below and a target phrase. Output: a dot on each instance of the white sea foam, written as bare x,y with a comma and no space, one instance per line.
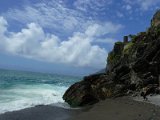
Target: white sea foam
155,99
25,96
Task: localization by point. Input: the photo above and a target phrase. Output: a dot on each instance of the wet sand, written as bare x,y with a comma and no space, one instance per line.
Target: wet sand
111,109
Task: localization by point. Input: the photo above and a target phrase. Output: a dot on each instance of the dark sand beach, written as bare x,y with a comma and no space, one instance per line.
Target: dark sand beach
111,109
121,109
44,112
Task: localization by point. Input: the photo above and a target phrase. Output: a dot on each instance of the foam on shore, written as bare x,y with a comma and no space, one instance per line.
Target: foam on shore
155,99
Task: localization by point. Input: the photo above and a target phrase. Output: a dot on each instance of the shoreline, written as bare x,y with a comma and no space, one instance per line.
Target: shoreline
58,105
112,109
41,112
154,100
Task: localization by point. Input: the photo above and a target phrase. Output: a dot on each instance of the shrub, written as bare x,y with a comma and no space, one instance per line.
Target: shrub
127,48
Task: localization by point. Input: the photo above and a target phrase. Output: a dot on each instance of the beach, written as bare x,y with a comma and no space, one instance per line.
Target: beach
123,108
42,112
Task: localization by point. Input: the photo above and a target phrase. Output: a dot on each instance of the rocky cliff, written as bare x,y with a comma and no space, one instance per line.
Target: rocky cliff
131,66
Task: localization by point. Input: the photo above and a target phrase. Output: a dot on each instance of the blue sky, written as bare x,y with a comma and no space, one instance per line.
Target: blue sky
67,36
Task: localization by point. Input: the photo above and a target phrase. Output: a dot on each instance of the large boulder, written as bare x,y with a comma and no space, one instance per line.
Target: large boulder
92,89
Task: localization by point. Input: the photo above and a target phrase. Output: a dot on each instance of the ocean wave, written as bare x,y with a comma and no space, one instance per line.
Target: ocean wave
25,96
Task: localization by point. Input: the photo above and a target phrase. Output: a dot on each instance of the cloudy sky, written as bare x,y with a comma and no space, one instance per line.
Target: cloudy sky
67,36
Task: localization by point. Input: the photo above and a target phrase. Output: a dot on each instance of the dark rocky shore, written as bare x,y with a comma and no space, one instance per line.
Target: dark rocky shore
132,66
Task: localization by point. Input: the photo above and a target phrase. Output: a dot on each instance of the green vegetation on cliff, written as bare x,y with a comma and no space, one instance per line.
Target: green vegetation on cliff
115,55
127,48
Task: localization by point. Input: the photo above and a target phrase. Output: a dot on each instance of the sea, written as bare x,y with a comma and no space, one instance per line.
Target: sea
21,89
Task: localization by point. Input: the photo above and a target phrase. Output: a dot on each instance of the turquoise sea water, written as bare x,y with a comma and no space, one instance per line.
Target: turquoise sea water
19,89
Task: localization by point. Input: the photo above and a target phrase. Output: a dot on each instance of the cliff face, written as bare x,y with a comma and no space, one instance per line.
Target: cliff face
131,66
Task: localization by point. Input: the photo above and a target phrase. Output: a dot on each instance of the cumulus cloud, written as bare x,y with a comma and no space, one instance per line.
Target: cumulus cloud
102,29
32,42
3,24
72,36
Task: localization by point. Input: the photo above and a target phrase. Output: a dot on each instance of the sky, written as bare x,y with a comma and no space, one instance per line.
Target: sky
67,36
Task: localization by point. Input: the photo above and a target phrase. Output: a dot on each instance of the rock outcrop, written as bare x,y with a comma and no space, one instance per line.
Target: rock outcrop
131,66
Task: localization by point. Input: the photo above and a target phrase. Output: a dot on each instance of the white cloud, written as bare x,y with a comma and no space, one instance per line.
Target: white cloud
102,29
128,7
119,14
94,5
32,42
56,16
146,4
106,40
3,24
81,33
143,4
52,14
